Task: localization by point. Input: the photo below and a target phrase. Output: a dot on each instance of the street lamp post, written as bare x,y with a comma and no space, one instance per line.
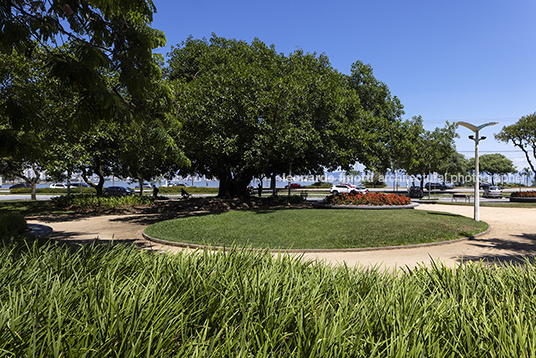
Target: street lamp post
476,138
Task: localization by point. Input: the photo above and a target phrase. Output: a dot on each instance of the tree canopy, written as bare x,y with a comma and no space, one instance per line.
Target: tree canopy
248,110
494,164
522,134
88,40
419,151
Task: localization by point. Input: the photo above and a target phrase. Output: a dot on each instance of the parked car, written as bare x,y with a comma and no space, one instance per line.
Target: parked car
343,188
20,185
483,186
118,191
492,192
172,184
361,189
80,184
415,192
293,186
434,186
58,186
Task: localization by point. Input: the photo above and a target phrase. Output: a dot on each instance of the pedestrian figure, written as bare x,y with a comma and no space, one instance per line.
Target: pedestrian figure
259,188
184,193
155,191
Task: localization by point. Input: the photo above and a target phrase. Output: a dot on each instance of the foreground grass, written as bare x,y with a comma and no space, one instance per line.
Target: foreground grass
116,301
316,229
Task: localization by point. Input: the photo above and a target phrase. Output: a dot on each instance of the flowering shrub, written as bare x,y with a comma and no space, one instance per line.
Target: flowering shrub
373,199
523,194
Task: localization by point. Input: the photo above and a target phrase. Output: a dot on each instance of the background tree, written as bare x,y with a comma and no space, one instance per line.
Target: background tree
456,166
23,147
526,172
148,150
494,164
522,134
428,151
26,161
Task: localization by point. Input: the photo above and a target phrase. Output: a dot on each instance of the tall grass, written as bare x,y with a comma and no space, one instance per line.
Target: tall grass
116,301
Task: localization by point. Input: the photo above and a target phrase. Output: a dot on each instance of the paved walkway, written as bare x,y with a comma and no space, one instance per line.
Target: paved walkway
512,235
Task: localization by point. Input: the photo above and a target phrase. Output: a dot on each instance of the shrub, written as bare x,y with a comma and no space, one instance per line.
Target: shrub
373,199
189,190
283,199
320,184
523,194
12,224
87,201
74,189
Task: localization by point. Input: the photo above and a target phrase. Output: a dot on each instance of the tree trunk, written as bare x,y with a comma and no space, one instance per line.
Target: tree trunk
34,190
273,184
33,182
68,183
234,186
97,170
140,181
225,183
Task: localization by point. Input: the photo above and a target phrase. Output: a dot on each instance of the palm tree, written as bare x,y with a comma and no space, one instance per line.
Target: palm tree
527,173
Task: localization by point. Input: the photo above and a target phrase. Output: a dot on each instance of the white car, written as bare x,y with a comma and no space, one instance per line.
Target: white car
492,192
348,189
58,186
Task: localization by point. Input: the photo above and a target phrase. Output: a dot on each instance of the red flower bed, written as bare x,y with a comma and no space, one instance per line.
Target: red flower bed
523,194
373,199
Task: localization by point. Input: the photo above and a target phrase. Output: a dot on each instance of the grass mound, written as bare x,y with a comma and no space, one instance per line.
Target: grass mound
316,229
104,301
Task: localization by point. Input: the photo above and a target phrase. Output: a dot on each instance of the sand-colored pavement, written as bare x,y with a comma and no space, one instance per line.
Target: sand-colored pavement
512,236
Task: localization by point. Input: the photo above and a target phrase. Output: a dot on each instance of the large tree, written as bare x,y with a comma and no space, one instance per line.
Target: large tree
522,134
248,110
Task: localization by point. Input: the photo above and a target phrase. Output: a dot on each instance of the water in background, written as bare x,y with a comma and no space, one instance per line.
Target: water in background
400,180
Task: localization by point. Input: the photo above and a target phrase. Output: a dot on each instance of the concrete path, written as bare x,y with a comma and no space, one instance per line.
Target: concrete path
512,235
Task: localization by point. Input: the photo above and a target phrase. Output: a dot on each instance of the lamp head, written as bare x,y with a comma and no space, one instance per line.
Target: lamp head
471,137
482,138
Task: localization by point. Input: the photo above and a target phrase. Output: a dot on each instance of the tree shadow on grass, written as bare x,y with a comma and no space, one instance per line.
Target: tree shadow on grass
438,213
503,251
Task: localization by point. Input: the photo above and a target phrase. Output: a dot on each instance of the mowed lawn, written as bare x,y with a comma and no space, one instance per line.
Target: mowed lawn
316,228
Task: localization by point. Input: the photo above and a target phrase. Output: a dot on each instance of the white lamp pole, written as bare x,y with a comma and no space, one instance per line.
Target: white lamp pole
477,139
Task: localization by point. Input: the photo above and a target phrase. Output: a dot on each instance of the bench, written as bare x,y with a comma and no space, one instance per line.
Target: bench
460,196
304,194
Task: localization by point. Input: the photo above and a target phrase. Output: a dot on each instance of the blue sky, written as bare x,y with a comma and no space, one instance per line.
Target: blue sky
470,60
